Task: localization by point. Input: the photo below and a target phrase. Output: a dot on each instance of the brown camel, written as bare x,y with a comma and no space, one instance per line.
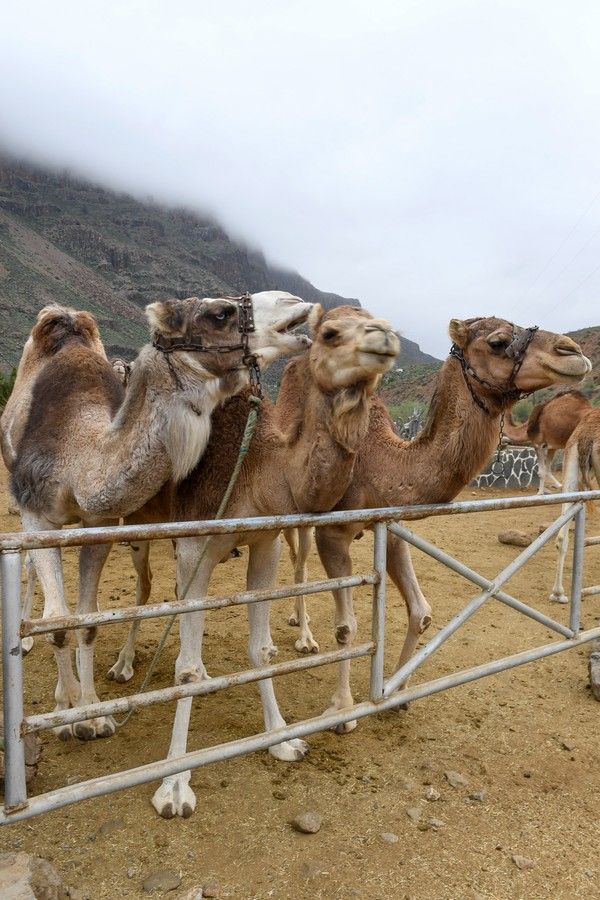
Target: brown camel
304,468
87,452
491,361
548,428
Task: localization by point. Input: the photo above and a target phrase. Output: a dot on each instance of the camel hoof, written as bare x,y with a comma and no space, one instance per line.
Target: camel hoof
594,672
345,727
306,644
425,623
404,706
293,620
95,728
26,645
121,672
63,732
558,598
290,751
174,799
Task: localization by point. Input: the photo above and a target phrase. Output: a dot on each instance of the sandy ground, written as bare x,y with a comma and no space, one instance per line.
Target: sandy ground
506,735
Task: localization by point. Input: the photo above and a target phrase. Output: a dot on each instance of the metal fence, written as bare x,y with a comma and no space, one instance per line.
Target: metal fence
384,694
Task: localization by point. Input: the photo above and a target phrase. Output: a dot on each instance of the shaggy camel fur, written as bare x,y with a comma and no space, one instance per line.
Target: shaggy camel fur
548,429
457,440
89,454
305,468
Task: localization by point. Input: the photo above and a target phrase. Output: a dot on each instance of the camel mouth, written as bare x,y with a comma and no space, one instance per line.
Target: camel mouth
382,354
295,321
576,366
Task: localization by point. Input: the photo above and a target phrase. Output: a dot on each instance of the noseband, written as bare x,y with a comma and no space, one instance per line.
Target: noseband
516,351
246,327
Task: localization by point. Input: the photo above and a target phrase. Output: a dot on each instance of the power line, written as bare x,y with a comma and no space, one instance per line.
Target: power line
576,288
560,246
573,258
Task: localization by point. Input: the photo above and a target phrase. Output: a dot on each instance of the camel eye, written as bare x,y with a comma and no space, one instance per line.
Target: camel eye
329,334
220,317
498,343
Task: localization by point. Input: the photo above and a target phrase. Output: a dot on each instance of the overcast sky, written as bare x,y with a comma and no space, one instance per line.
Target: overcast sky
434,159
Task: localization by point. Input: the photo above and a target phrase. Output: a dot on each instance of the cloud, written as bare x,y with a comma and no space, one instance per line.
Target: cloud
426,157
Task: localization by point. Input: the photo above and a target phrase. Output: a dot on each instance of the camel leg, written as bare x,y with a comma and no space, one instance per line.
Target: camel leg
27,642
262,572
122,670
540,452
550,454
175,797
333,545
594,670
570,483
91,563
48,569
401,571
292,540
306,642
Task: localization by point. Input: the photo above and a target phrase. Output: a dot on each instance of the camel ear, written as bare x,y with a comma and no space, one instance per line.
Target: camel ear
315,317
459,332
164,316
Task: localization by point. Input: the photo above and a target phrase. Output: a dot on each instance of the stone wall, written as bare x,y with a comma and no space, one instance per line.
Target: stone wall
519,469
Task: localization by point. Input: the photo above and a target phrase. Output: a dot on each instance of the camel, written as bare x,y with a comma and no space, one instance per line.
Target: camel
491,362
304,468
581,461
87,452
548,428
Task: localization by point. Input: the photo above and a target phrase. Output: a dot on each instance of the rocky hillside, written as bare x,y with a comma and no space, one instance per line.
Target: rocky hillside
66,240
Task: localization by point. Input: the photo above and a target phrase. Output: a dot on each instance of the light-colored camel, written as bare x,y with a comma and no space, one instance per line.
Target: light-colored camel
581,461
306,467
85,453
548,428
457,440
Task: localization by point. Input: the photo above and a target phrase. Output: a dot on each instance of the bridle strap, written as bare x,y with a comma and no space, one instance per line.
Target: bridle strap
246,326
516,351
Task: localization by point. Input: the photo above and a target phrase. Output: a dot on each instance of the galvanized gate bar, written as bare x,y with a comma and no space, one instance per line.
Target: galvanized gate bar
43,721
178,607
381,698
79,537
108,784
15,791
577,574
400,676
471,575
378,617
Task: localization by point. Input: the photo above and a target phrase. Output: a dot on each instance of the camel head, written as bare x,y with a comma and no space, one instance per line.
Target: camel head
350,347
122,369
57,325
208,329
510,359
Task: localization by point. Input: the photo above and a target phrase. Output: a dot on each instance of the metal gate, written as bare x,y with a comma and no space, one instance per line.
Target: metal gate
384,694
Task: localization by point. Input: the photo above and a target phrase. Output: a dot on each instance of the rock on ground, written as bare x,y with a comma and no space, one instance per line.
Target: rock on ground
307,823
33,752
455,779
163,880
515,538
25,877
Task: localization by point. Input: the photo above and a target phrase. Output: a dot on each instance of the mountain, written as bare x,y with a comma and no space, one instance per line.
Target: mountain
66,240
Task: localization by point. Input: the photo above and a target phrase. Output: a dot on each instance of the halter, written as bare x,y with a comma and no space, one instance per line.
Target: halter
246,327
516,351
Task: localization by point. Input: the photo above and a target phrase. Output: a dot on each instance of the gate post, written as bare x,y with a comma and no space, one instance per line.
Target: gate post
15,791
577,575
378,620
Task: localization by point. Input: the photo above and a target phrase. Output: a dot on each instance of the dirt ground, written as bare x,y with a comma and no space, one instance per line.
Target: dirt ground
527,738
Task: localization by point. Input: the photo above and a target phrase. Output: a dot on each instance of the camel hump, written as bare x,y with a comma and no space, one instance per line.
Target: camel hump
570,400
58,325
